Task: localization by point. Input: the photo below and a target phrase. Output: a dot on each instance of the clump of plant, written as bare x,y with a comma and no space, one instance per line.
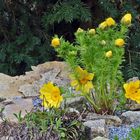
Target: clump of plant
53,122
95,59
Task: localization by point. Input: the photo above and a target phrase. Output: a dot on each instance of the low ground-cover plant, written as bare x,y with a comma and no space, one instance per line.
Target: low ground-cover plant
95,59
50,121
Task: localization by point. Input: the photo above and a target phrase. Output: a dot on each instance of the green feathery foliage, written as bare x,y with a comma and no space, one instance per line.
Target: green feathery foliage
89,51
131,66
66,11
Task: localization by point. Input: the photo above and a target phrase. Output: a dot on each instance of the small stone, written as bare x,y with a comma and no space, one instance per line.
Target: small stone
95,128
131,116
7,101
109,119
7,138
100,138
74,110
75,102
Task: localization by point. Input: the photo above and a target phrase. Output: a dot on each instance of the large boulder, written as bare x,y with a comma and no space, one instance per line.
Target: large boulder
29,84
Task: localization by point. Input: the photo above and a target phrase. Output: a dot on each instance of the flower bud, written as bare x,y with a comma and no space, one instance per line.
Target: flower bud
103,25
103,42
55,42
119,42
110,22
79,30
108,54
126,19
92,31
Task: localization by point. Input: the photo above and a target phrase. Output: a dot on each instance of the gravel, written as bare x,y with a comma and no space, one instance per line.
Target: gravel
122,131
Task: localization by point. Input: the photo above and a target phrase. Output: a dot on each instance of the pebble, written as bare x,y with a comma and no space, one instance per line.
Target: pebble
122,131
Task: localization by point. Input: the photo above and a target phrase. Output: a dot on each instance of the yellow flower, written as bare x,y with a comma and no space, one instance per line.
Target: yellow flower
126,19
92,31
103,25
82,81
119,42
110,22
108,54
55,42
50,95
79,30
132,90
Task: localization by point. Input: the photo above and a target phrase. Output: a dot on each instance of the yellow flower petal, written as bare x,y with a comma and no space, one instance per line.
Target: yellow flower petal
55,42
82,79
88,87
108,54
132,90
74,83
79,30
126,19
119,42
90,76
110,21
92,31
50,95
103,25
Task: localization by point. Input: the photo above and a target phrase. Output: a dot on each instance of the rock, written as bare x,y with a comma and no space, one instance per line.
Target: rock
28,90
73,110
131,116
75,102
100,138
29,84
133,106
94,128
7,101
7,138
18,105
1,120
1,106
4,86
109,119
50,75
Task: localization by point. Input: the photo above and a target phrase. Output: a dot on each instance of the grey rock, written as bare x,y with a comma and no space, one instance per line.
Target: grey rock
4,86
7,101
1,120
29,84
22,105
75,102
109,119
28,90
100,138
7,138
46,77
73,110
94,128
131,116
1,106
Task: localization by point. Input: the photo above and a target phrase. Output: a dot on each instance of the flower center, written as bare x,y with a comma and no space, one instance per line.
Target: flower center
83,81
